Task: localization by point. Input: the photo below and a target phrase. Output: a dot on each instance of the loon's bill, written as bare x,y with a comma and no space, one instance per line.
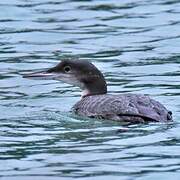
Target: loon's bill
41,75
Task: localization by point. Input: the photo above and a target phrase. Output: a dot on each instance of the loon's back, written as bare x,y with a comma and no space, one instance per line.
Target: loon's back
127,107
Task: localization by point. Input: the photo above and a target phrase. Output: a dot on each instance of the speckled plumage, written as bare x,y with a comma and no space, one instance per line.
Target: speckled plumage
126,107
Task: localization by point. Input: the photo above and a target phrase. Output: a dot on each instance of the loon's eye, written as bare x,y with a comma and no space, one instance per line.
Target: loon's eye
67,69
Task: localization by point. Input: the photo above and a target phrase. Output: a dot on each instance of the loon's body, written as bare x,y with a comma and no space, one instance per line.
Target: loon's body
95,101
132,108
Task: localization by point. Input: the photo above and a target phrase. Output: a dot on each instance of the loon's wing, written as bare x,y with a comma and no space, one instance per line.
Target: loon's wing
126,107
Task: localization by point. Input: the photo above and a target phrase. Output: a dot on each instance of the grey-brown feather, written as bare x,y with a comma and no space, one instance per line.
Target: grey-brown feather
126,107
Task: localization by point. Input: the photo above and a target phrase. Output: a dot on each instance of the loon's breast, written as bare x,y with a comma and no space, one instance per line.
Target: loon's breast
125,107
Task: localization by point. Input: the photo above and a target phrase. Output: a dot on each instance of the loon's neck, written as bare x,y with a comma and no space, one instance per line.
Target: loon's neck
94,86
87,92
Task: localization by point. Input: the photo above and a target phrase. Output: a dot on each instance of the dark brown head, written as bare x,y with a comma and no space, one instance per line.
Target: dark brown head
76,72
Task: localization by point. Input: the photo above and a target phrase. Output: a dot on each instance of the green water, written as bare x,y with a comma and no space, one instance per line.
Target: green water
135,43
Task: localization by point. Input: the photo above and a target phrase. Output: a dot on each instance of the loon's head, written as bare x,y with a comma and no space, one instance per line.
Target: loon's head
75,72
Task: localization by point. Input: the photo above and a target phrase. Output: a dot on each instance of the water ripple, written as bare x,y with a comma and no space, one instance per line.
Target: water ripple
136,45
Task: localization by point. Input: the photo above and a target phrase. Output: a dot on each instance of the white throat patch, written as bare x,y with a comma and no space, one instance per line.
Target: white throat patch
85,93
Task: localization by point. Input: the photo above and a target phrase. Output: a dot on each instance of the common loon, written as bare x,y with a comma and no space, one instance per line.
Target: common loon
95,102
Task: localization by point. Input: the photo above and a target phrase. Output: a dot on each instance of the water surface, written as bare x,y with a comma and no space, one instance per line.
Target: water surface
136,44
